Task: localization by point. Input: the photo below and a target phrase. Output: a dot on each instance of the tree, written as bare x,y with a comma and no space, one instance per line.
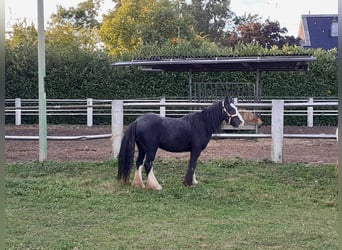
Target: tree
134,23
84,16
22,34
165,22
69,37
75,27
250,29
211,18
118,30
21,61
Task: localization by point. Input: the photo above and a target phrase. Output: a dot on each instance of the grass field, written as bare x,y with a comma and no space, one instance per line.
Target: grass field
236,205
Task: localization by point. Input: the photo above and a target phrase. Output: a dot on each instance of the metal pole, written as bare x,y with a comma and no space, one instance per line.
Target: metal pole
3,223
41,83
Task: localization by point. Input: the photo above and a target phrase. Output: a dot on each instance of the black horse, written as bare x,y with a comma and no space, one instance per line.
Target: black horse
190,133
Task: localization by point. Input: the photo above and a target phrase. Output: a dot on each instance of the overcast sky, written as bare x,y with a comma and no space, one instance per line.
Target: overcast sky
287,12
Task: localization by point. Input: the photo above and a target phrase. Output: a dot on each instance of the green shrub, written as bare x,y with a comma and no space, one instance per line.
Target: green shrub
83,73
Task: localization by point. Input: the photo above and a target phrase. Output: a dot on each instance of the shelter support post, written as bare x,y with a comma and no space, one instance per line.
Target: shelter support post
277,130
117,126
257,95
190,85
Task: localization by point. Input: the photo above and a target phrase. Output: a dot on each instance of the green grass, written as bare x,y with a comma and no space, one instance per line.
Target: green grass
236,205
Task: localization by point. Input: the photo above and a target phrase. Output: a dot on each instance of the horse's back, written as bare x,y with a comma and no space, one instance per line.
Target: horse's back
152,121
172,134
149,117
148,122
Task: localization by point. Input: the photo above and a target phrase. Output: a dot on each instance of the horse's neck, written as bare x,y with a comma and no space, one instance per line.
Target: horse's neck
213,118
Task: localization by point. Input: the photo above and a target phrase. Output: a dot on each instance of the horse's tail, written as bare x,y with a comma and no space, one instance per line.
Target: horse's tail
126,154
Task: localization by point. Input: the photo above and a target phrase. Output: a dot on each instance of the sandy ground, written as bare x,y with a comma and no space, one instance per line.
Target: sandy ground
308,151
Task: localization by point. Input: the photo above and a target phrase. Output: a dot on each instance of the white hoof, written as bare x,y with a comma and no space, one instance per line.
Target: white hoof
137,181
152,182
194,181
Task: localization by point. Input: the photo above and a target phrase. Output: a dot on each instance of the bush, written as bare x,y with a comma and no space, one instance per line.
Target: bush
82,73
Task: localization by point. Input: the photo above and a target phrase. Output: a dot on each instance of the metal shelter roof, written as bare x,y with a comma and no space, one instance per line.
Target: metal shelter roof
256,64
214,64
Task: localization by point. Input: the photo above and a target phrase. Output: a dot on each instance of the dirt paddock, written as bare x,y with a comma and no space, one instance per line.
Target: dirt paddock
308,151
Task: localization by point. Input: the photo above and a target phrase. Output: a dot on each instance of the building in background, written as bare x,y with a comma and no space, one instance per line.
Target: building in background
319,31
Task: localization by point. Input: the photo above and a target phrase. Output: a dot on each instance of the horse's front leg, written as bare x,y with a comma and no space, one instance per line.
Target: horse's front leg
194,180
190,178
152,182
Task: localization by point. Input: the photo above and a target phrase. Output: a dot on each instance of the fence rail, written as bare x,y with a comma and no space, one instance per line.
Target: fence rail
92,108
117,109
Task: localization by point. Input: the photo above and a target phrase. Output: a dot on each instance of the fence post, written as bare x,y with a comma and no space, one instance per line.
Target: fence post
310,113
117,126
277,130
162,108
17,111
89,112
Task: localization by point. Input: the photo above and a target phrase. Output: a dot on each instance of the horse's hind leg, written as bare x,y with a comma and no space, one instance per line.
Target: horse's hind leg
137,181
152,182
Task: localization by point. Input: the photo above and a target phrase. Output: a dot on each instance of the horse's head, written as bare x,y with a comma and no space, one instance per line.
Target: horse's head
231,114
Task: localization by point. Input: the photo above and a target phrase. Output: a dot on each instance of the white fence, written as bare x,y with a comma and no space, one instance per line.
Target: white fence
277,109
92,108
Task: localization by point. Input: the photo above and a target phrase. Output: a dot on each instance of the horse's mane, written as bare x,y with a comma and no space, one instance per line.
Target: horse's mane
210,116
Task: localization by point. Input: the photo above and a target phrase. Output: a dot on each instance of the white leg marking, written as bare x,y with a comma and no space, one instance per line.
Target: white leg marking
152,182
194,181
137,181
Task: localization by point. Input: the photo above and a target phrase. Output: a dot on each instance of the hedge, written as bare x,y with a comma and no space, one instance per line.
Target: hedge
82,74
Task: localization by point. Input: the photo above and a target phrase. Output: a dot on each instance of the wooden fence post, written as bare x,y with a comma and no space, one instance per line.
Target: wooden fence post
89,112
310,113
117,126
17,111
162,108
277,130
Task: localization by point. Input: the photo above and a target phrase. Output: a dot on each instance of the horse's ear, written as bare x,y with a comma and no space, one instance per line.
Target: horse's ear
228,100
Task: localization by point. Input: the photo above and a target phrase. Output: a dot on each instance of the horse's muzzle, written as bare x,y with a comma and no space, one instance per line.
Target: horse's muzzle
236,122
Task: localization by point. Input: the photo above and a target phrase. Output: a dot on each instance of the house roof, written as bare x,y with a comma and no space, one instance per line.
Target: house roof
253,63
316,31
